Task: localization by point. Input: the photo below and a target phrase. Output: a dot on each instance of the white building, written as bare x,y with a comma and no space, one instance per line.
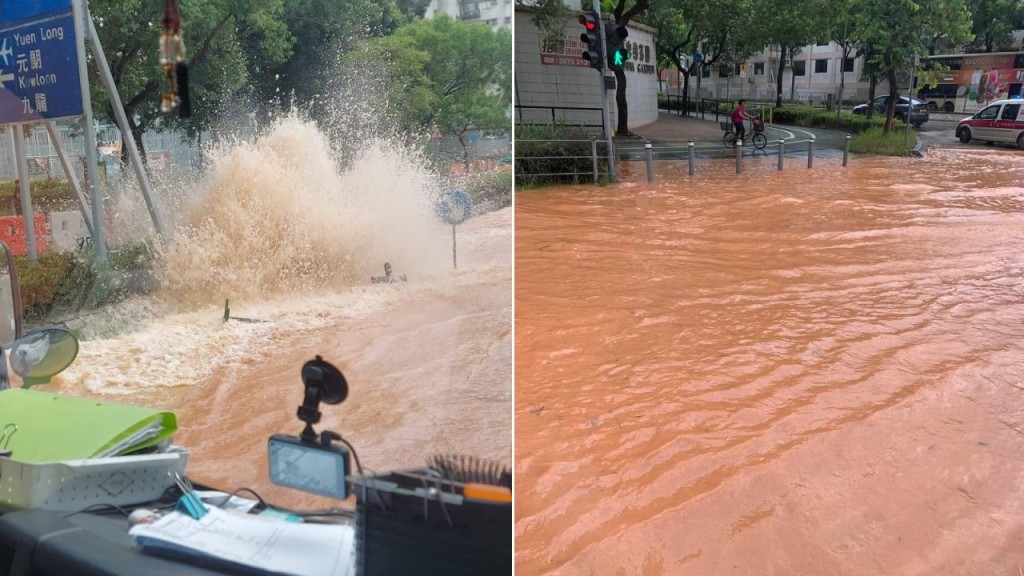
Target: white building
495,13
812,75
553,81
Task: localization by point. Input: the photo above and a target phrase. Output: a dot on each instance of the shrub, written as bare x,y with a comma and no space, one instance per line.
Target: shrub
557,153
876,141
48,195
71,282
819,118
491,191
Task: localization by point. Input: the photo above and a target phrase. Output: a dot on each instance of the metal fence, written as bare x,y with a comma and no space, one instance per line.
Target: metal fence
691,154
567,161
590,119
163,149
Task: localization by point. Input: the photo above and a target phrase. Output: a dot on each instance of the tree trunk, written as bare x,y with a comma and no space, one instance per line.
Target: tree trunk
686,92
872,84
778,79
137,132
465,151
890,107
620,103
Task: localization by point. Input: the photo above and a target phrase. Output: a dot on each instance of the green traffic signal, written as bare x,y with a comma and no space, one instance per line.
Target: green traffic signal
615,36
620,57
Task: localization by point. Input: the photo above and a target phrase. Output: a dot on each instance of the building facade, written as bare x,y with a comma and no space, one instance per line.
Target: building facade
553,81
494,13
813,74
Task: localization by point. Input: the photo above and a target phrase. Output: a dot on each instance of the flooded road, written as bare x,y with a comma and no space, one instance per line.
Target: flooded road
293,244
799,372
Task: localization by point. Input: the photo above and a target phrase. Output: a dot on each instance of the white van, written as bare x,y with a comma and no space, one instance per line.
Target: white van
1001,121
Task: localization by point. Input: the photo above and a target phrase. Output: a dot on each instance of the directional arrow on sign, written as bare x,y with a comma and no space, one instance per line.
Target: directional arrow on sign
5,53
9,77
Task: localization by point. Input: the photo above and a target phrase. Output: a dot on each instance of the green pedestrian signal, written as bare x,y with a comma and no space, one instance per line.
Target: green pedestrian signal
619,58
614,36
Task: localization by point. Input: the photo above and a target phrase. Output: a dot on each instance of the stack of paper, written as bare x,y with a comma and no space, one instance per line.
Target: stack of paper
53,427
271,546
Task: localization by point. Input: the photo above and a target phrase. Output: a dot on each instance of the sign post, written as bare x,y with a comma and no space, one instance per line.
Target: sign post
98,241
453,209
43,77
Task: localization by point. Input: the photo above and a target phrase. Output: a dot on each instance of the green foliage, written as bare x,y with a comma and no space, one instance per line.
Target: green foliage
491,191
555,154
877,141
215,35
894,31
993,23
550,16
445,73
48,195
819,118
72,281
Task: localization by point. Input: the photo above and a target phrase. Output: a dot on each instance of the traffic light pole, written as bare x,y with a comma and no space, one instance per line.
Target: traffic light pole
606,119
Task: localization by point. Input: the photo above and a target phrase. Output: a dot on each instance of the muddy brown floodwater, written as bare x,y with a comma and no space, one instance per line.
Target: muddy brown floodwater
799,372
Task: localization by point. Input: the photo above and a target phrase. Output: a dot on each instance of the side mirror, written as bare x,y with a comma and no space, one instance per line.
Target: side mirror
41,354
38,356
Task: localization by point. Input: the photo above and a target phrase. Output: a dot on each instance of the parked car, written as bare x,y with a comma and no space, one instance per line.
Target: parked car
918,112
1001,121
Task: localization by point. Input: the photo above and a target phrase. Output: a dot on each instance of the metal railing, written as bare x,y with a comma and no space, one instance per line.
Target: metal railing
583,160
585,117
692,153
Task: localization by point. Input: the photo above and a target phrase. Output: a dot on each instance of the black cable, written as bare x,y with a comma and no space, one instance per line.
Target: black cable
103,509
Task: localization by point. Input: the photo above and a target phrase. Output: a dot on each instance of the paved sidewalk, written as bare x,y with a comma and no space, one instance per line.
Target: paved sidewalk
671,128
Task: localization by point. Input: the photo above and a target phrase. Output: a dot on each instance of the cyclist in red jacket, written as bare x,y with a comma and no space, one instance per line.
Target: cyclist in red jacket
739,114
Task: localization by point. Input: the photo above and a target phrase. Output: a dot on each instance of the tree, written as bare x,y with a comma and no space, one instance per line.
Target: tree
444,73
213,31
688,27
994,22
790,24
622,17
895,31
840,34
321,29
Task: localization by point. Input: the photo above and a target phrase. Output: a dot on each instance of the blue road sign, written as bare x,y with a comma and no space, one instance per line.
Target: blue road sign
39,70
454,207
16,12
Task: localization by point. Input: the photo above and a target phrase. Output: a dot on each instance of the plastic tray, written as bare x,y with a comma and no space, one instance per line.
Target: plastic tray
76,484
411,523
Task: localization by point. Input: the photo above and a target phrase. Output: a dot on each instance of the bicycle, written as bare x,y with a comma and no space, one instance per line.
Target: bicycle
756,135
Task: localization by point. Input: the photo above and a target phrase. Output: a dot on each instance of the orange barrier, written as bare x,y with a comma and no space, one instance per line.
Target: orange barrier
12,232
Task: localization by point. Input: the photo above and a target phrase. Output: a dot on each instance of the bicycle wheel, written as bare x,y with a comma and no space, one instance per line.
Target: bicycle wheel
760,141
729,139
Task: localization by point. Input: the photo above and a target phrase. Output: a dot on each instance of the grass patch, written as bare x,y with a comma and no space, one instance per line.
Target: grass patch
556,154
876,141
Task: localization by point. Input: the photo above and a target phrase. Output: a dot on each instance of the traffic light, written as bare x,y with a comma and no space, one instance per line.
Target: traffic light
615,35
592,38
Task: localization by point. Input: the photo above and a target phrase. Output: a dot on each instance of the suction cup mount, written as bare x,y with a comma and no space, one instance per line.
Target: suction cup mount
324,383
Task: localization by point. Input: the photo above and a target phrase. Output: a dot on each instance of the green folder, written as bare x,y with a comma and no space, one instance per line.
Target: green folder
42,427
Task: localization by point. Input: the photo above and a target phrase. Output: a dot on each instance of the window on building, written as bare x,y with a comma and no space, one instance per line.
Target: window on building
758,68
723,71
705,72
821,66
799,67
848,65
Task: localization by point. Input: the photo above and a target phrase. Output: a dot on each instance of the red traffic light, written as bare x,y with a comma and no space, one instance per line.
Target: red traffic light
590,24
